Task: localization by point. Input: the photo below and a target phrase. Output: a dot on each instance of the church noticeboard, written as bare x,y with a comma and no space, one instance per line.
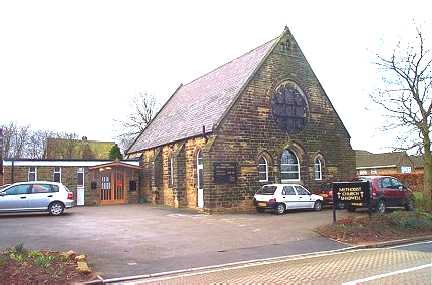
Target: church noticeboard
224,172
354,193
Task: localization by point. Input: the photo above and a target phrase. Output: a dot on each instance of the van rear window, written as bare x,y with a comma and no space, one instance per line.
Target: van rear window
267,190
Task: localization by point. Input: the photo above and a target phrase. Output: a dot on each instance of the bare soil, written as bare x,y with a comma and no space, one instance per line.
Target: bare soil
363,230
59,270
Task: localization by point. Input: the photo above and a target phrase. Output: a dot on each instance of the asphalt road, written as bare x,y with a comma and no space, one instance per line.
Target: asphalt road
407,264
138,239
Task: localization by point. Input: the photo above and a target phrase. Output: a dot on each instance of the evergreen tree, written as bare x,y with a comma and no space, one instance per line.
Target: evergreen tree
115,153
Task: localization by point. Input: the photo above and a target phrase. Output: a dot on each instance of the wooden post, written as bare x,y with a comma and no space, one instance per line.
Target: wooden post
334,202
369,200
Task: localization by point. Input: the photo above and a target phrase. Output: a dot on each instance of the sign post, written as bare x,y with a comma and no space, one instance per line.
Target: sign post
351,194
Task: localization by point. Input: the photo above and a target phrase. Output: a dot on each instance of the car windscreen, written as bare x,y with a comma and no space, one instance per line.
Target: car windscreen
267,190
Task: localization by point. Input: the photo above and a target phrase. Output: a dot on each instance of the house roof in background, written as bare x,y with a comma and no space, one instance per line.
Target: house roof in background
365,159
417,160
202,102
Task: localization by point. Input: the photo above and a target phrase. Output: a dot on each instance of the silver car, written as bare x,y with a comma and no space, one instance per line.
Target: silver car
36,196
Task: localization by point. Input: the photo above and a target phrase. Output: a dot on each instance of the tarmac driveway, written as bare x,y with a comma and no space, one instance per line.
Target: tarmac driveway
137,239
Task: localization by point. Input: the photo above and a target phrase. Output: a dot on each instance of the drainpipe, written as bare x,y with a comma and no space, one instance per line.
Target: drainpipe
13,171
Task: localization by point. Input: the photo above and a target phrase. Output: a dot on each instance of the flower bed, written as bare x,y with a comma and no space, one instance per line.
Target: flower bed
21,266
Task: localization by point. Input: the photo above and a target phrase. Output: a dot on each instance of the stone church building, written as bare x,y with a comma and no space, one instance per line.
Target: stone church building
261,118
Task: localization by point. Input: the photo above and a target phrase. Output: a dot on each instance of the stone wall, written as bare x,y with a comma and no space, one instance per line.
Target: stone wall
248,131
155,184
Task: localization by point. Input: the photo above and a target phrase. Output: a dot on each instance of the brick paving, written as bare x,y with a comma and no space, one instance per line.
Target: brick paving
331,269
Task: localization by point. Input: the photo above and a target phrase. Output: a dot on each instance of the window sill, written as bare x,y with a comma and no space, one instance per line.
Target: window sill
290,180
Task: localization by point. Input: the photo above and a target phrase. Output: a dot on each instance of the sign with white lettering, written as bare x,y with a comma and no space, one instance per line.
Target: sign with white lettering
354,193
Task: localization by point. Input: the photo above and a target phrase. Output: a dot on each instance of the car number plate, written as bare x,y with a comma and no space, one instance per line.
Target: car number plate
262,204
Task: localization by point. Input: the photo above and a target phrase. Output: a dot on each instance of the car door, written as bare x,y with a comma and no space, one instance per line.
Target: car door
390,194
14,198
40,196
289,197
399,192
304,197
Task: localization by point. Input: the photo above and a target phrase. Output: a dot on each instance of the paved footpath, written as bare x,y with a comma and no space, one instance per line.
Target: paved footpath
406,264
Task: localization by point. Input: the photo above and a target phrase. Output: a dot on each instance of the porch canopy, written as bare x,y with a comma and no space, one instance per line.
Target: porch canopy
115,181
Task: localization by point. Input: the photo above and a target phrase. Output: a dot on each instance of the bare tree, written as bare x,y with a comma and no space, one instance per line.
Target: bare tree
15,140
22,142
9,132
37,143
407,99
143,108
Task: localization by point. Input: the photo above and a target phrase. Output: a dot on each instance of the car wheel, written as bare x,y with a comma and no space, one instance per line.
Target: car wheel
409,206
351,209
56,208
381,207
260,210
318,205
280,209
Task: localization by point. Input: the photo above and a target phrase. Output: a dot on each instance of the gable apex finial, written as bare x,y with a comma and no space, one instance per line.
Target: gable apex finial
287,30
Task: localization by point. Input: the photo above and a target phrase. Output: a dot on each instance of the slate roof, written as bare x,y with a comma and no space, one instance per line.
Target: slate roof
367,159
202,102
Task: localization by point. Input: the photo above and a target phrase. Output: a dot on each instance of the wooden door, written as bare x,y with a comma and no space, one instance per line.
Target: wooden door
112,190
119,189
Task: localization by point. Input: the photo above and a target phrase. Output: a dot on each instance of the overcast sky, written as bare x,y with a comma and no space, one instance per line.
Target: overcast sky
74,65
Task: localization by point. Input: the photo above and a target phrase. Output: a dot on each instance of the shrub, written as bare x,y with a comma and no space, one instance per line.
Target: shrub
411,220
421,202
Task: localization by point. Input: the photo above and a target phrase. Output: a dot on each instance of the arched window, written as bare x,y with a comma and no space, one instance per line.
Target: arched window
262,169
290,167
170,171
318,169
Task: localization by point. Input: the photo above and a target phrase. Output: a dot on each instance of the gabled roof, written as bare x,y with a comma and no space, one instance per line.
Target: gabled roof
202,102
116,164
366,159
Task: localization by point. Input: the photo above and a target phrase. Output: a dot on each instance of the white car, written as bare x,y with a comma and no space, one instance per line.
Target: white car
36,196
281,197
